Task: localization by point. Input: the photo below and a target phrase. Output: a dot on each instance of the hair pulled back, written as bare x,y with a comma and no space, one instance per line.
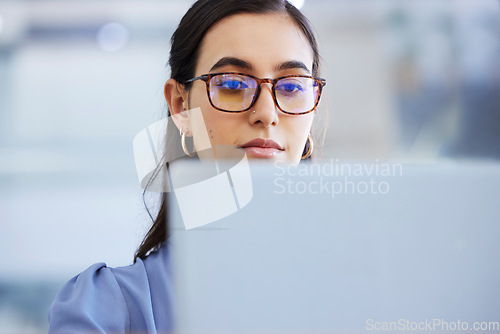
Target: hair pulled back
184,54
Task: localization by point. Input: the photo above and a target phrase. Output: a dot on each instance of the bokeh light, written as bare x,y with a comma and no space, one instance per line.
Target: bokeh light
297,3
112,37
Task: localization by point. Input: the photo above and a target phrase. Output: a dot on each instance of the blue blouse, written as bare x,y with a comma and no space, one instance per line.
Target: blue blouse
132,299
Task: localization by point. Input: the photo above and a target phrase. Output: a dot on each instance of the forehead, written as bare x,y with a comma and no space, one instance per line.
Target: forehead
263,40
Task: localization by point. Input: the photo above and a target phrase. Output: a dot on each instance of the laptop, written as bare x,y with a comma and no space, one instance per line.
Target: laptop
336,247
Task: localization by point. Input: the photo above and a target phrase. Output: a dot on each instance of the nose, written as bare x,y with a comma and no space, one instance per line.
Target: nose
264,112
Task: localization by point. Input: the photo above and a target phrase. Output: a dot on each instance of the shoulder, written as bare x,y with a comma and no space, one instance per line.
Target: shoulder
90,302
103,299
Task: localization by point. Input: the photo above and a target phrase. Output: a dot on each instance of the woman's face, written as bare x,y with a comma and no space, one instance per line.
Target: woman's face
265,46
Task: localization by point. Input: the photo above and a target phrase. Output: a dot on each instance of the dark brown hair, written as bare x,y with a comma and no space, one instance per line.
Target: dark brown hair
184,52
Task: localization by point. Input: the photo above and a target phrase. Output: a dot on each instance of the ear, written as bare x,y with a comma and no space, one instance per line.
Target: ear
176,98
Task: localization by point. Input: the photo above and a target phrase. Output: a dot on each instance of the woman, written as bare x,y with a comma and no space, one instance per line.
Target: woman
251,68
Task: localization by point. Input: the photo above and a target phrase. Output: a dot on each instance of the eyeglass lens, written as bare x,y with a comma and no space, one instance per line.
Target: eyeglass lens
234,92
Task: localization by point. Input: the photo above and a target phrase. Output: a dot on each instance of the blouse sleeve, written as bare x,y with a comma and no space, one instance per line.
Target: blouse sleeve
91,302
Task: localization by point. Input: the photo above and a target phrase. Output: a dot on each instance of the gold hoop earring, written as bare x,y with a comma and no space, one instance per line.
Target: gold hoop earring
309,149
183,142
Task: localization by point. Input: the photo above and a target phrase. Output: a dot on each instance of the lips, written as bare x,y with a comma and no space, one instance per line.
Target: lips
262,148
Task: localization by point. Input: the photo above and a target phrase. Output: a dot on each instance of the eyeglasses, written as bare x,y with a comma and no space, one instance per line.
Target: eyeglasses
237,92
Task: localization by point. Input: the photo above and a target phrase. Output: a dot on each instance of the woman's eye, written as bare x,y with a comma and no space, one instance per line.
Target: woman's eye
232,84
289,87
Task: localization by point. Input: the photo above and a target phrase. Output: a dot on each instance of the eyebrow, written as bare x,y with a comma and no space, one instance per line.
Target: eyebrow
292,64
232,61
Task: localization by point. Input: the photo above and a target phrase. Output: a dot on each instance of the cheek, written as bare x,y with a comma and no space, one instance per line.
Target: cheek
214,126
218,124
221,127
297,132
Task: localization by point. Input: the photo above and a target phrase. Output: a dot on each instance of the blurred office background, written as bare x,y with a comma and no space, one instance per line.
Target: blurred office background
407,81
